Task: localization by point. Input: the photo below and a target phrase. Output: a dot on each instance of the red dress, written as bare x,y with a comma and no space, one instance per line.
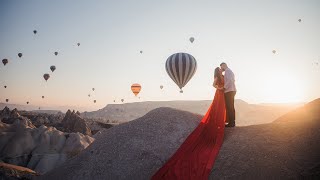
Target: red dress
195,157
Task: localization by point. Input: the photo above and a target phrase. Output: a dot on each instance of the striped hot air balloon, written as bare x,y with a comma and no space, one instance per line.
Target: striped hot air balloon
136,88
181,67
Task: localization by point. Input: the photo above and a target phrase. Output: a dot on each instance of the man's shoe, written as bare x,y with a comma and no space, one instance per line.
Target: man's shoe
230,125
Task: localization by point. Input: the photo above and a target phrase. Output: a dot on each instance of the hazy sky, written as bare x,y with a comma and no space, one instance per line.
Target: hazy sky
240,33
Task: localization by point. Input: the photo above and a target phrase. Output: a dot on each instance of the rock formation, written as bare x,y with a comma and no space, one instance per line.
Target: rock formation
72,122
41,149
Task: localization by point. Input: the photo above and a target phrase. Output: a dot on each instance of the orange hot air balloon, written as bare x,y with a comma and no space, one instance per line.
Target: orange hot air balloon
136,88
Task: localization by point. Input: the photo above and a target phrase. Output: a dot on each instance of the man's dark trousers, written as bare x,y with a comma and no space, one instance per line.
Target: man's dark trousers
229,100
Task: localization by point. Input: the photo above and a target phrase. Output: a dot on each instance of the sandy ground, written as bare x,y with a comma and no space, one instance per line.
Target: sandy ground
289,148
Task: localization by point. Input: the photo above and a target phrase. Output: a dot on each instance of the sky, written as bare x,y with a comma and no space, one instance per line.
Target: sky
111,34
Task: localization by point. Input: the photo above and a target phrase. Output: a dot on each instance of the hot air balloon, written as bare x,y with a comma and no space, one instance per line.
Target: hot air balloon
122,100
274,51
180,68
94,101
27,102
92,89
34,31
20,55
141,52
56,53
42,97
7,100
53,68
191,39
5,86
88,95
39,108
135,88
78,44
161,86
114,100
46,76
299,20
5,61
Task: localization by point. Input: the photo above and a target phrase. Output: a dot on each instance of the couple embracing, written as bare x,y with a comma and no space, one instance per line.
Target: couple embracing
226,84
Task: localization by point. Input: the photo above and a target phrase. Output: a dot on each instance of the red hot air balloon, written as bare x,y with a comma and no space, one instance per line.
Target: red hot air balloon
136,88
46,76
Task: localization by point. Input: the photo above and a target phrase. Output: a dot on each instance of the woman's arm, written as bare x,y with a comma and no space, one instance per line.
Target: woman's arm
215,84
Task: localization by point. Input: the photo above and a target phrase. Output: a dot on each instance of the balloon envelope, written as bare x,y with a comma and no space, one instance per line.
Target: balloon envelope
5,61
34,31
122,100
181,67
7,100
53,68
136,88
20,55
46,76
56,53
161,86
78,44
191,39
274,51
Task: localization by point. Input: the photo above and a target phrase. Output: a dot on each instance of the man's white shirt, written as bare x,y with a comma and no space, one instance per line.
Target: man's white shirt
229,81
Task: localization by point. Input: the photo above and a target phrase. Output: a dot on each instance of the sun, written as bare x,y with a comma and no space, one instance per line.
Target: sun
282,87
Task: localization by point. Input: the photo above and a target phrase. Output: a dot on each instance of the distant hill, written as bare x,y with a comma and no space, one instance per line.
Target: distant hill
18,106
246,114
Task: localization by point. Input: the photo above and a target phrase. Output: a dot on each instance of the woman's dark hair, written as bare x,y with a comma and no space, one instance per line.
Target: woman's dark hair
217,75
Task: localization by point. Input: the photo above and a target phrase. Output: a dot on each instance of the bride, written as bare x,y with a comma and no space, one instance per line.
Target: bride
194,159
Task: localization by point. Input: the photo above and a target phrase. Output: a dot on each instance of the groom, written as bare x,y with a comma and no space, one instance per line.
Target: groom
229,93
